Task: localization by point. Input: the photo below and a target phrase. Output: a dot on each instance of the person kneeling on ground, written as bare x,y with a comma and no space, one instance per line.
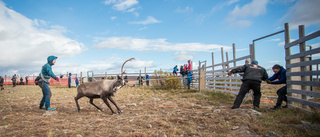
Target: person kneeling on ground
252,77
280,74
46,74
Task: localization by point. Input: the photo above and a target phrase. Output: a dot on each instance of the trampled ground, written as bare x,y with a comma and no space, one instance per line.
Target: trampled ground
147,112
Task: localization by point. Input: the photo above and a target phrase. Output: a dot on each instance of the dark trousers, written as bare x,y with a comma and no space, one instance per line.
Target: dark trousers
245,87
1,87
46,92
282,96
69,84
147,82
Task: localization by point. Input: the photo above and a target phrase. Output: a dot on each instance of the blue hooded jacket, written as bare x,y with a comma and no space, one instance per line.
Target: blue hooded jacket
47,70
281,75
175,69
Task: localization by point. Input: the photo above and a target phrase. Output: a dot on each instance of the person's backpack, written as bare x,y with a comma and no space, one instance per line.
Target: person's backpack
36,81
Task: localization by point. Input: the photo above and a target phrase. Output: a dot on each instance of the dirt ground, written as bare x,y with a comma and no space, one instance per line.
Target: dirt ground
147,112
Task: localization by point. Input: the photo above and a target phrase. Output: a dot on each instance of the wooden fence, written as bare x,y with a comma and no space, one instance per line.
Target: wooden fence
300,84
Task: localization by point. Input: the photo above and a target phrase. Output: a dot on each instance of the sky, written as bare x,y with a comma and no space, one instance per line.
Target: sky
99,35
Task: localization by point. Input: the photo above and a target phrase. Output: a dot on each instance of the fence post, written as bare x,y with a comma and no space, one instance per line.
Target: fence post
223,66
228,66
288,53
212,56
234,54
252,56
199,71
140,78
302,59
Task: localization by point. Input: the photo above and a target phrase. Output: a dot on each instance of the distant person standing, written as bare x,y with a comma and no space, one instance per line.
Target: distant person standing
77,81
147,78
27,79
175,69
69,80
189,65
14,80
46,74
181,71
1,82
189,78
247,61
21,81
252,78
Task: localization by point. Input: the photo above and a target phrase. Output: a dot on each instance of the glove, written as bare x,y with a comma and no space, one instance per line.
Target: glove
57,78
268,81
229,73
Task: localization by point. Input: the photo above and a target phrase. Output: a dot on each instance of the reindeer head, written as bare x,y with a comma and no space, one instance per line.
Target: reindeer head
123,72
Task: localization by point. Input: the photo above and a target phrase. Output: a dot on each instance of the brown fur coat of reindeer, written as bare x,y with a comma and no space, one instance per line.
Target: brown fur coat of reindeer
104,89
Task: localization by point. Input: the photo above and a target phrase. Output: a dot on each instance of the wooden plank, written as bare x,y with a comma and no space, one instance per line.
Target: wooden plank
223,78
304,102
303,54
306,83
230,61
238,83
306,38
305,63
304,73
229,87
305,92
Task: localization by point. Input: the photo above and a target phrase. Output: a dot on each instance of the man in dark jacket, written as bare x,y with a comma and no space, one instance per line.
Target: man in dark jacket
1,83
252,77
280,74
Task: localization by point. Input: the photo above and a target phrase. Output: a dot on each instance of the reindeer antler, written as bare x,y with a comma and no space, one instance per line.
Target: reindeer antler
123,65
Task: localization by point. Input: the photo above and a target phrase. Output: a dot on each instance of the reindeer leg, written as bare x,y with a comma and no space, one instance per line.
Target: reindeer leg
107,103
114,103
76,99
91,102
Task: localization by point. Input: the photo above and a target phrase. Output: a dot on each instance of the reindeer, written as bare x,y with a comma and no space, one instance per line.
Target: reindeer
104,89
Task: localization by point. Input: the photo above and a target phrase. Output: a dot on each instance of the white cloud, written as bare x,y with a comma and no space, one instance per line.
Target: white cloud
122,5
136,44
240,23
149,20
183,56
275,39
143,28
113,18
304,12
272,62
25,42
253,9
186,10
232,2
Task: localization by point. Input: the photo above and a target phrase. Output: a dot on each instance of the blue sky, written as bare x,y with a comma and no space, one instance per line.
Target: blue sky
99,35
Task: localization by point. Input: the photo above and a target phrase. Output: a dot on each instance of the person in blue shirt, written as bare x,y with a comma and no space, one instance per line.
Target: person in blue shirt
46,74
77,81
147,78
69,80
175,70
189,78
280,75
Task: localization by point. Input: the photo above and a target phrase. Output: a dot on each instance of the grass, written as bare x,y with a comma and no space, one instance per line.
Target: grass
20,116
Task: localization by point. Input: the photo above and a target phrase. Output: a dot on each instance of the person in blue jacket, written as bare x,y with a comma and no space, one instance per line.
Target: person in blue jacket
69,80
46,74
147,79
280,75
175,70
189,78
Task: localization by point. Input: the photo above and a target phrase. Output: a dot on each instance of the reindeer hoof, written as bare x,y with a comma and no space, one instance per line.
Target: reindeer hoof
114,113
120,112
